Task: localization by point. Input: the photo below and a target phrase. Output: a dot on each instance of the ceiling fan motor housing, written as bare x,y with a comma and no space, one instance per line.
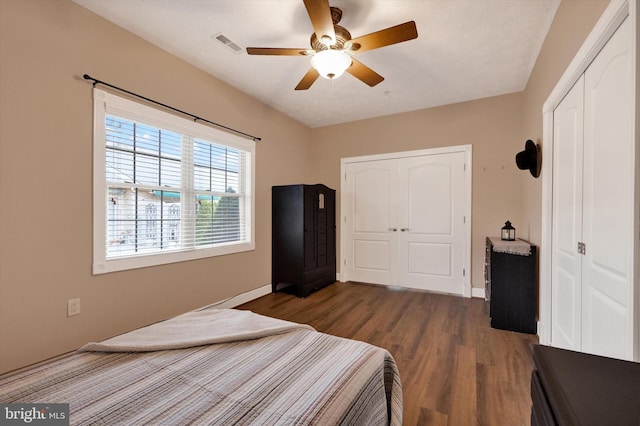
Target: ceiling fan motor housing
342,36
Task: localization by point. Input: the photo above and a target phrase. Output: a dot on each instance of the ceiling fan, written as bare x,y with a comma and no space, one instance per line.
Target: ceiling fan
332,46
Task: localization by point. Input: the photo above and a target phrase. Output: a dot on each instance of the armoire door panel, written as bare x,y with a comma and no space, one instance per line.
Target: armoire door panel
608,199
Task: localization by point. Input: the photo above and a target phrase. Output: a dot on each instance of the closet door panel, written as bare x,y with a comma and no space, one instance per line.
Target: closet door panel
566,300
404,222
431,215
371,220
429,193
567,309
608,200
605,327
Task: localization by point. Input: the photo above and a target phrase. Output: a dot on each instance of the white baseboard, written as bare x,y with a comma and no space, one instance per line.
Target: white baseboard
542,339
477,292
239,299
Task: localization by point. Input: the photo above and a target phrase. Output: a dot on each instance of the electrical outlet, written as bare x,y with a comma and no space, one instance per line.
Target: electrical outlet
73,307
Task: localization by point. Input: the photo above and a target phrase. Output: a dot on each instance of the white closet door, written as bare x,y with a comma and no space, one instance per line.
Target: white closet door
404,222
371,221
431,220
608,200
566,298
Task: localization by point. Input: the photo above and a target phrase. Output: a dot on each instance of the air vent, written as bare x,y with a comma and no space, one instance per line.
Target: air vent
235,48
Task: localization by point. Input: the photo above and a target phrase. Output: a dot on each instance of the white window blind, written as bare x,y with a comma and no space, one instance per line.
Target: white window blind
166,189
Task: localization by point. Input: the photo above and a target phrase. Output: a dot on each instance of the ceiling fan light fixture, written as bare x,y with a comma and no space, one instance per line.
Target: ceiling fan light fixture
330,63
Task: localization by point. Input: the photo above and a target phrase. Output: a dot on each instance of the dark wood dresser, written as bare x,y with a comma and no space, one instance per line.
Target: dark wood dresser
574,388
303,238
511,287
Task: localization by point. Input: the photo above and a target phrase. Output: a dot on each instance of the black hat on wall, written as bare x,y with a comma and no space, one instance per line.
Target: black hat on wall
529,159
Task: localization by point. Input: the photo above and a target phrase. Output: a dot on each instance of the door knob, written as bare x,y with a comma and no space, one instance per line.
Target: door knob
404,229
393,229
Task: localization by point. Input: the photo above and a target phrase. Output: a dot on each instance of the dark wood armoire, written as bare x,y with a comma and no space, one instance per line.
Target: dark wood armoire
303,238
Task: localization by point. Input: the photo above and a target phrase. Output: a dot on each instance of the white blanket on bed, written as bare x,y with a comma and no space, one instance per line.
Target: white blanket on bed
196,329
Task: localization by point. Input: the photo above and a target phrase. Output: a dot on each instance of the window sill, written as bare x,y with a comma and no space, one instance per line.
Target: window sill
146,260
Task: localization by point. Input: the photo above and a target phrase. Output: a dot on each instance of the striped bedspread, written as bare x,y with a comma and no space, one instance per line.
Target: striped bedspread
299,377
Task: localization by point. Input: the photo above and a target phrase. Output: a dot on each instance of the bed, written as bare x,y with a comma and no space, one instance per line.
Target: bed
218,367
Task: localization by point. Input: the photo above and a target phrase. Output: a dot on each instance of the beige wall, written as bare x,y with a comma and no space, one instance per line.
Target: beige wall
573,22
496,127
46,180
493,126
45,169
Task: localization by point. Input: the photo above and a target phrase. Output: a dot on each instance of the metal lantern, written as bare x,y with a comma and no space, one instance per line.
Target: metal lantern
508,232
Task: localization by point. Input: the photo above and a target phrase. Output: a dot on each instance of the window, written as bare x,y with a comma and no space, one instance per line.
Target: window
166,189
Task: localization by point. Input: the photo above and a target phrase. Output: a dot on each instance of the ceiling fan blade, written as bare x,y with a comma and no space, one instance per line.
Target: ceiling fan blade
320,16
364,73
386,37
276,51
309,78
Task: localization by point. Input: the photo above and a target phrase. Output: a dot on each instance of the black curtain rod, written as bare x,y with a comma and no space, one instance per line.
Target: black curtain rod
195,117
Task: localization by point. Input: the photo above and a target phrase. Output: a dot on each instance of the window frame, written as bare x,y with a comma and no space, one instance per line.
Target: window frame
105,103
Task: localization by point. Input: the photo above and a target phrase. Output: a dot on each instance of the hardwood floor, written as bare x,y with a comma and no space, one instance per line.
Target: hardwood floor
455,369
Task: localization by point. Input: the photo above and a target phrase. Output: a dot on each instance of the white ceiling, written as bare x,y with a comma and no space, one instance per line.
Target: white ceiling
465,50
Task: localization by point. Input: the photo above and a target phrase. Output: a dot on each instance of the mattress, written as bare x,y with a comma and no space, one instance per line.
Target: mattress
207,368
